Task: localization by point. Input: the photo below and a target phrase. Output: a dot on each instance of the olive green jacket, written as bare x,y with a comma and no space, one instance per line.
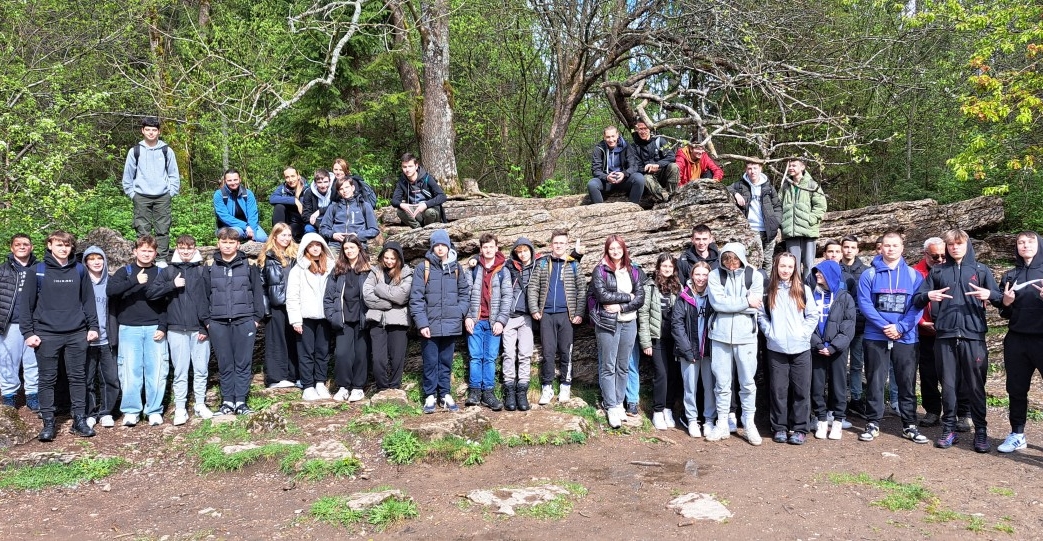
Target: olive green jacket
803,206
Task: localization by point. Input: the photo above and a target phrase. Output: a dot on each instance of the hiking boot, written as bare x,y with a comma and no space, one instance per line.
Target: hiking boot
668,416
837,430
912,434
1014,442
981,440
522,394
658,422
752,435
964,424
930,419
948,439
822,430
510,399
490,401
564,393
631,410
546,395
80,427
32,401
449,403
429,404
8,400
797,438
48,433
779,437
871,432
474,397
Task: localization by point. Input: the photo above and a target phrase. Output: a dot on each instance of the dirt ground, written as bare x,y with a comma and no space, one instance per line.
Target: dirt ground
775,491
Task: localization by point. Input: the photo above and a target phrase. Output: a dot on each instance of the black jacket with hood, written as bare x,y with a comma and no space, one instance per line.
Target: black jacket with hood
1026,313
12,279
424,190
520,275
233,289
689,258
187,309
63,303
654,150
961,316
840,323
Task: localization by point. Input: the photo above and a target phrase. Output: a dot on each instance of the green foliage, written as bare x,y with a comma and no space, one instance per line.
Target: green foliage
466,452
402,447
899,496
1001,491
318,469
334,510
214,459
558,508
565,437
80,470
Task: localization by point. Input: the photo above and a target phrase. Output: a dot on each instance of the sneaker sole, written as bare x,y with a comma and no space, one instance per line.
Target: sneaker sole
1018,448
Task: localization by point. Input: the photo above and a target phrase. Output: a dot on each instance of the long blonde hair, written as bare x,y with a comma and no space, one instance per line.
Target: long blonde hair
286,256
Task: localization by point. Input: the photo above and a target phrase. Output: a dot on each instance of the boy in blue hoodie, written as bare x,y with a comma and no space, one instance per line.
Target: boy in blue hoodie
829,346
103,384
885,296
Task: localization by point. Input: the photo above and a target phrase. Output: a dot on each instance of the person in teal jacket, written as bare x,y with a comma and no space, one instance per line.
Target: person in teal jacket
235,206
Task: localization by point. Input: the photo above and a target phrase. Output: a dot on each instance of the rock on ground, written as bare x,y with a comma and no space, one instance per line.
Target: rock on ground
699,507
361,501
390,396
504,500
536,422
329,450
469,424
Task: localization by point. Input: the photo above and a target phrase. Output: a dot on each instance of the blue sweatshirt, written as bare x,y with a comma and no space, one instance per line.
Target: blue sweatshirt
885,296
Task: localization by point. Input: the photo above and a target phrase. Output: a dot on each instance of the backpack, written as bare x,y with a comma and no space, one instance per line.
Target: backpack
747,274
592,300
137,154
366,191
41,268
427,271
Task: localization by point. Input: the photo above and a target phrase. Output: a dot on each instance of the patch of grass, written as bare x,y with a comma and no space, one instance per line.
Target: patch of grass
214,459
392,410
1001,491
1035,415
80,470
1005,528
559,507
460,368
402,446
976,524
900,496
316,469
414,390
565,437
324,411
334,510
590,413
466,452
997,401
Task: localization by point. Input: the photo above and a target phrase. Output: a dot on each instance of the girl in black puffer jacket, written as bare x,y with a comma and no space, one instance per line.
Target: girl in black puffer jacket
280,351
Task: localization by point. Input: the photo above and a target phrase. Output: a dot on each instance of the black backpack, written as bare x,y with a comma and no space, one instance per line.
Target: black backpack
137,154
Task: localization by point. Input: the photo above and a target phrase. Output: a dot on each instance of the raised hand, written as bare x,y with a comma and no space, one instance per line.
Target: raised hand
142,277
938,295
179,281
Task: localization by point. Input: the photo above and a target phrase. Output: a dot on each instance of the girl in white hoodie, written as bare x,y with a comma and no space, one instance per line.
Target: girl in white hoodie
305,288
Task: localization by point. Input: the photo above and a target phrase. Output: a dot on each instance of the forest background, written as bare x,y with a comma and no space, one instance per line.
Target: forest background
890,100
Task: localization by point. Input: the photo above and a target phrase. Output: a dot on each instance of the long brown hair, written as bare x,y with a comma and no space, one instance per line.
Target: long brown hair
316,265
624,262
796,286
667,285
361,263
286,256
394,272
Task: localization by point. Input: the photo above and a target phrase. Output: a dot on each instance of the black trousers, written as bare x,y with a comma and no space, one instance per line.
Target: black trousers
313,352
930,387
829,385
878,359
790,390
352,367
962,368
233,344
389,355
69,349
662,359
103,381
556,343
280,348
1022,355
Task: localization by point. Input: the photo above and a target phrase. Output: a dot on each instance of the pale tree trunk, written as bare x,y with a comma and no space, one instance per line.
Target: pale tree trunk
406,71
437,131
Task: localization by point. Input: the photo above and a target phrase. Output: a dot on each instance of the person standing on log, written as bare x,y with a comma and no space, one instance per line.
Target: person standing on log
885,294
651,156
702,248
759,202
418,198
613,169
487,316
1022,305
958,290
556,299
803,207
693,164
150,179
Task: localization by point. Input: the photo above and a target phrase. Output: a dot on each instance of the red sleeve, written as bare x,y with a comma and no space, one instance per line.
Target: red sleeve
708,163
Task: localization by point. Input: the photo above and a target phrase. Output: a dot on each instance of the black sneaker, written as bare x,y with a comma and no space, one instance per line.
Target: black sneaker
914,435
948,439
225,409
856,407
981,440
490,401
243,409
964,424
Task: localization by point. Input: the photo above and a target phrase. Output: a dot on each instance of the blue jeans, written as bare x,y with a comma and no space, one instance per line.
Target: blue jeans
185,350
14,353
142,362
437,353
483,347
633,376
259,234
614,349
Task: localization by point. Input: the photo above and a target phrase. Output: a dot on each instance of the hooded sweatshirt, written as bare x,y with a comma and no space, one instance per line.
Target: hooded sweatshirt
885,297
787,328
101,299
187,308
1026,312
154,173
836,326
63,302
424,190
690,257
388,303
440,294
734,322
520,275
961,316
305,289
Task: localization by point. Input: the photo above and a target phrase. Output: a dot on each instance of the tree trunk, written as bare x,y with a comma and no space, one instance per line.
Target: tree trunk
406,71
437,132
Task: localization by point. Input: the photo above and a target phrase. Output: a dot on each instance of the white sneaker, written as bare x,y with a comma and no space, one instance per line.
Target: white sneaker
322,391
310,394
836,431
130,419
547,395
356,395
733,423
693,430
719,432
668,415
821,428
613,417
180,417
91,421
845,424
752,435
1014,442
342,395
155,419
203,412
107,421
658,421
707,428
564,393
449,403
282,385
